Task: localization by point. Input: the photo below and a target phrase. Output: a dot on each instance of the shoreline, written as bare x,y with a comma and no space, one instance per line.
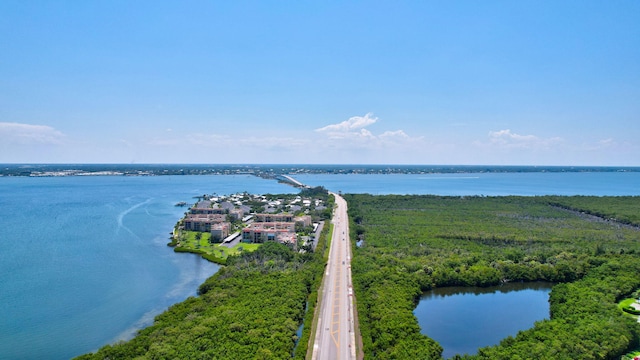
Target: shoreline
208,257
269,171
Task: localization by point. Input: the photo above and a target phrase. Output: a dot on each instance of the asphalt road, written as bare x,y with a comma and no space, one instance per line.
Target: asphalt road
335,338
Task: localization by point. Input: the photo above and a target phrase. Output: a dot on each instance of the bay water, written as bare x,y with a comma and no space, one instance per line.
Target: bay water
84,260
489,184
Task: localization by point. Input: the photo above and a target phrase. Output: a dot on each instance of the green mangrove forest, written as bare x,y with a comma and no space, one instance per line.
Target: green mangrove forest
588,246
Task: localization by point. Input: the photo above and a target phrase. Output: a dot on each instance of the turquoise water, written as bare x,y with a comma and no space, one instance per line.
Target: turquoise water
84,260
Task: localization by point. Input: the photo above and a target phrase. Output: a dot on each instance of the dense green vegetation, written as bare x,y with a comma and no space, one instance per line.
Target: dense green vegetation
415,243
250,309
622,209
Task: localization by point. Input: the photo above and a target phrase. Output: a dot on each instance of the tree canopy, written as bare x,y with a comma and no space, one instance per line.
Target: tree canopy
416,243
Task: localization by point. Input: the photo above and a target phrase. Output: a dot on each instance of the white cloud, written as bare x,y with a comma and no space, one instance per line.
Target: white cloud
507,134
353,137
605,143
355,122
347,141
511,140
354,130
609,145
28,134
398,134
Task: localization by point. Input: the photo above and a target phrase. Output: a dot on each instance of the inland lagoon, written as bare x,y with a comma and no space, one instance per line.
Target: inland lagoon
464,319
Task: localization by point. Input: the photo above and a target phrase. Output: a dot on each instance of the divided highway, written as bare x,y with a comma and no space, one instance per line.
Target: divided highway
335,334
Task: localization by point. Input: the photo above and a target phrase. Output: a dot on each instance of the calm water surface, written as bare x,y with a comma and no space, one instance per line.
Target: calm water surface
84,260
489,184
464,319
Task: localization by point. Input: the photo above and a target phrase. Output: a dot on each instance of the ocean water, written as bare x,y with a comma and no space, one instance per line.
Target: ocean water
84,260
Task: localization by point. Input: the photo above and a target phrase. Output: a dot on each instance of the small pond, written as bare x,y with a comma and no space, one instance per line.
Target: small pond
464,319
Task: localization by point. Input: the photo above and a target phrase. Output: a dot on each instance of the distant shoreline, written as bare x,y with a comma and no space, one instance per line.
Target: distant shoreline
275,170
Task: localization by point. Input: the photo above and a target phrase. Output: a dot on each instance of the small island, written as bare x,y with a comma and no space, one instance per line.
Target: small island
219,226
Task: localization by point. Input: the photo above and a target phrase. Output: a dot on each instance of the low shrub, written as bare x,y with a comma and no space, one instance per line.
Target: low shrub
215,259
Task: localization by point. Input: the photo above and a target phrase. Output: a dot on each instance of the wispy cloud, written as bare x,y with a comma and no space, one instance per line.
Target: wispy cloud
356,141
398,134
609,145
27,134
511,140
347,141
602,144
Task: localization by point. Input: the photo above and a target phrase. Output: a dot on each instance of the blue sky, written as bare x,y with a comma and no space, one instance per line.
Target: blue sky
328,82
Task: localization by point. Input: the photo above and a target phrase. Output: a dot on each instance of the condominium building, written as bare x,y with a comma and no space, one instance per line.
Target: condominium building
202,222
219,231
260,232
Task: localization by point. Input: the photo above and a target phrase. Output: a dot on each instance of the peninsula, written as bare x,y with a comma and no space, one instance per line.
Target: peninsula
218,226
